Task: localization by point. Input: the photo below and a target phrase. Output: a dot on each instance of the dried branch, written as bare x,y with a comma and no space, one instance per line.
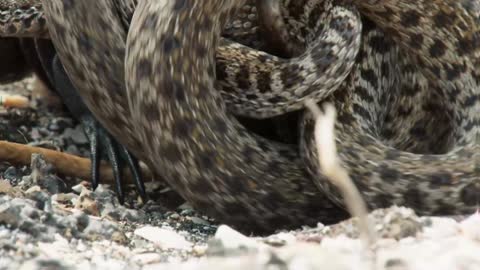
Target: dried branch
64,163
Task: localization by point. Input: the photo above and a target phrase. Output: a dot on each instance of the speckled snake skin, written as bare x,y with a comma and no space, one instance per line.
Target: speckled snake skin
446,56
253,83
170,114
275,204
446,53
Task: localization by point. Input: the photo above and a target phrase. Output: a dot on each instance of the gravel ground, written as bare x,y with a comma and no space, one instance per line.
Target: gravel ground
53,222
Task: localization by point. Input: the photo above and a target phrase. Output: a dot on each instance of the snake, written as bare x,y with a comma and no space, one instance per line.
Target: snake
219,167
445,54
339,16
270,91
430,183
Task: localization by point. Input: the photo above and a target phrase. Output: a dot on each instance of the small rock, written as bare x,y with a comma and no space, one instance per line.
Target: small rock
228,242
121,213
398,222
78,188
33,189
35,134
147,258
26,183
6,188
395,264
102,229
19,213
280,239
41,175
87,203
199,250
187,209
107,203
73,149
81,220
441,227
11,174
199,221
53,127
165,239
174,216
42,199
119,237
9,215
64,197
106,197
77,135
59,124
53,184
470,227
39,168
81,247
40,264
232,239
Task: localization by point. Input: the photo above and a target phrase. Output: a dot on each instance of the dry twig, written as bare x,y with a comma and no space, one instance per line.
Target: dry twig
14,101
64,163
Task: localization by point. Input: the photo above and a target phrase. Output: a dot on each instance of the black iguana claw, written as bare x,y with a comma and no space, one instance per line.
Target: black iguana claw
101,142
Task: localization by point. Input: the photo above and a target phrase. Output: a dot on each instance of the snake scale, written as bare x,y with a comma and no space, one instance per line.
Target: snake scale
178,123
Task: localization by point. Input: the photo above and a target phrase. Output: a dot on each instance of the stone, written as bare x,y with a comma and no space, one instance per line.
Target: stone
163,238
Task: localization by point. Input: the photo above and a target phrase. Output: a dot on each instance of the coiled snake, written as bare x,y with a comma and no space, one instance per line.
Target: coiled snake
280,159
383,174
183,131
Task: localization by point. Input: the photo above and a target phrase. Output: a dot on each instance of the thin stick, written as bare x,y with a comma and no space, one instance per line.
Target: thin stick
66,164
14,101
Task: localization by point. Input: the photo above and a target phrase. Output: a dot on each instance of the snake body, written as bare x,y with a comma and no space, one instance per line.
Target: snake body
283,157
441,183
183,131
446,55
383,174
270,90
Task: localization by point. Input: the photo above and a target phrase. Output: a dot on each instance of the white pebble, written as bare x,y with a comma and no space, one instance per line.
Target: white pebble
232,239
163,238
